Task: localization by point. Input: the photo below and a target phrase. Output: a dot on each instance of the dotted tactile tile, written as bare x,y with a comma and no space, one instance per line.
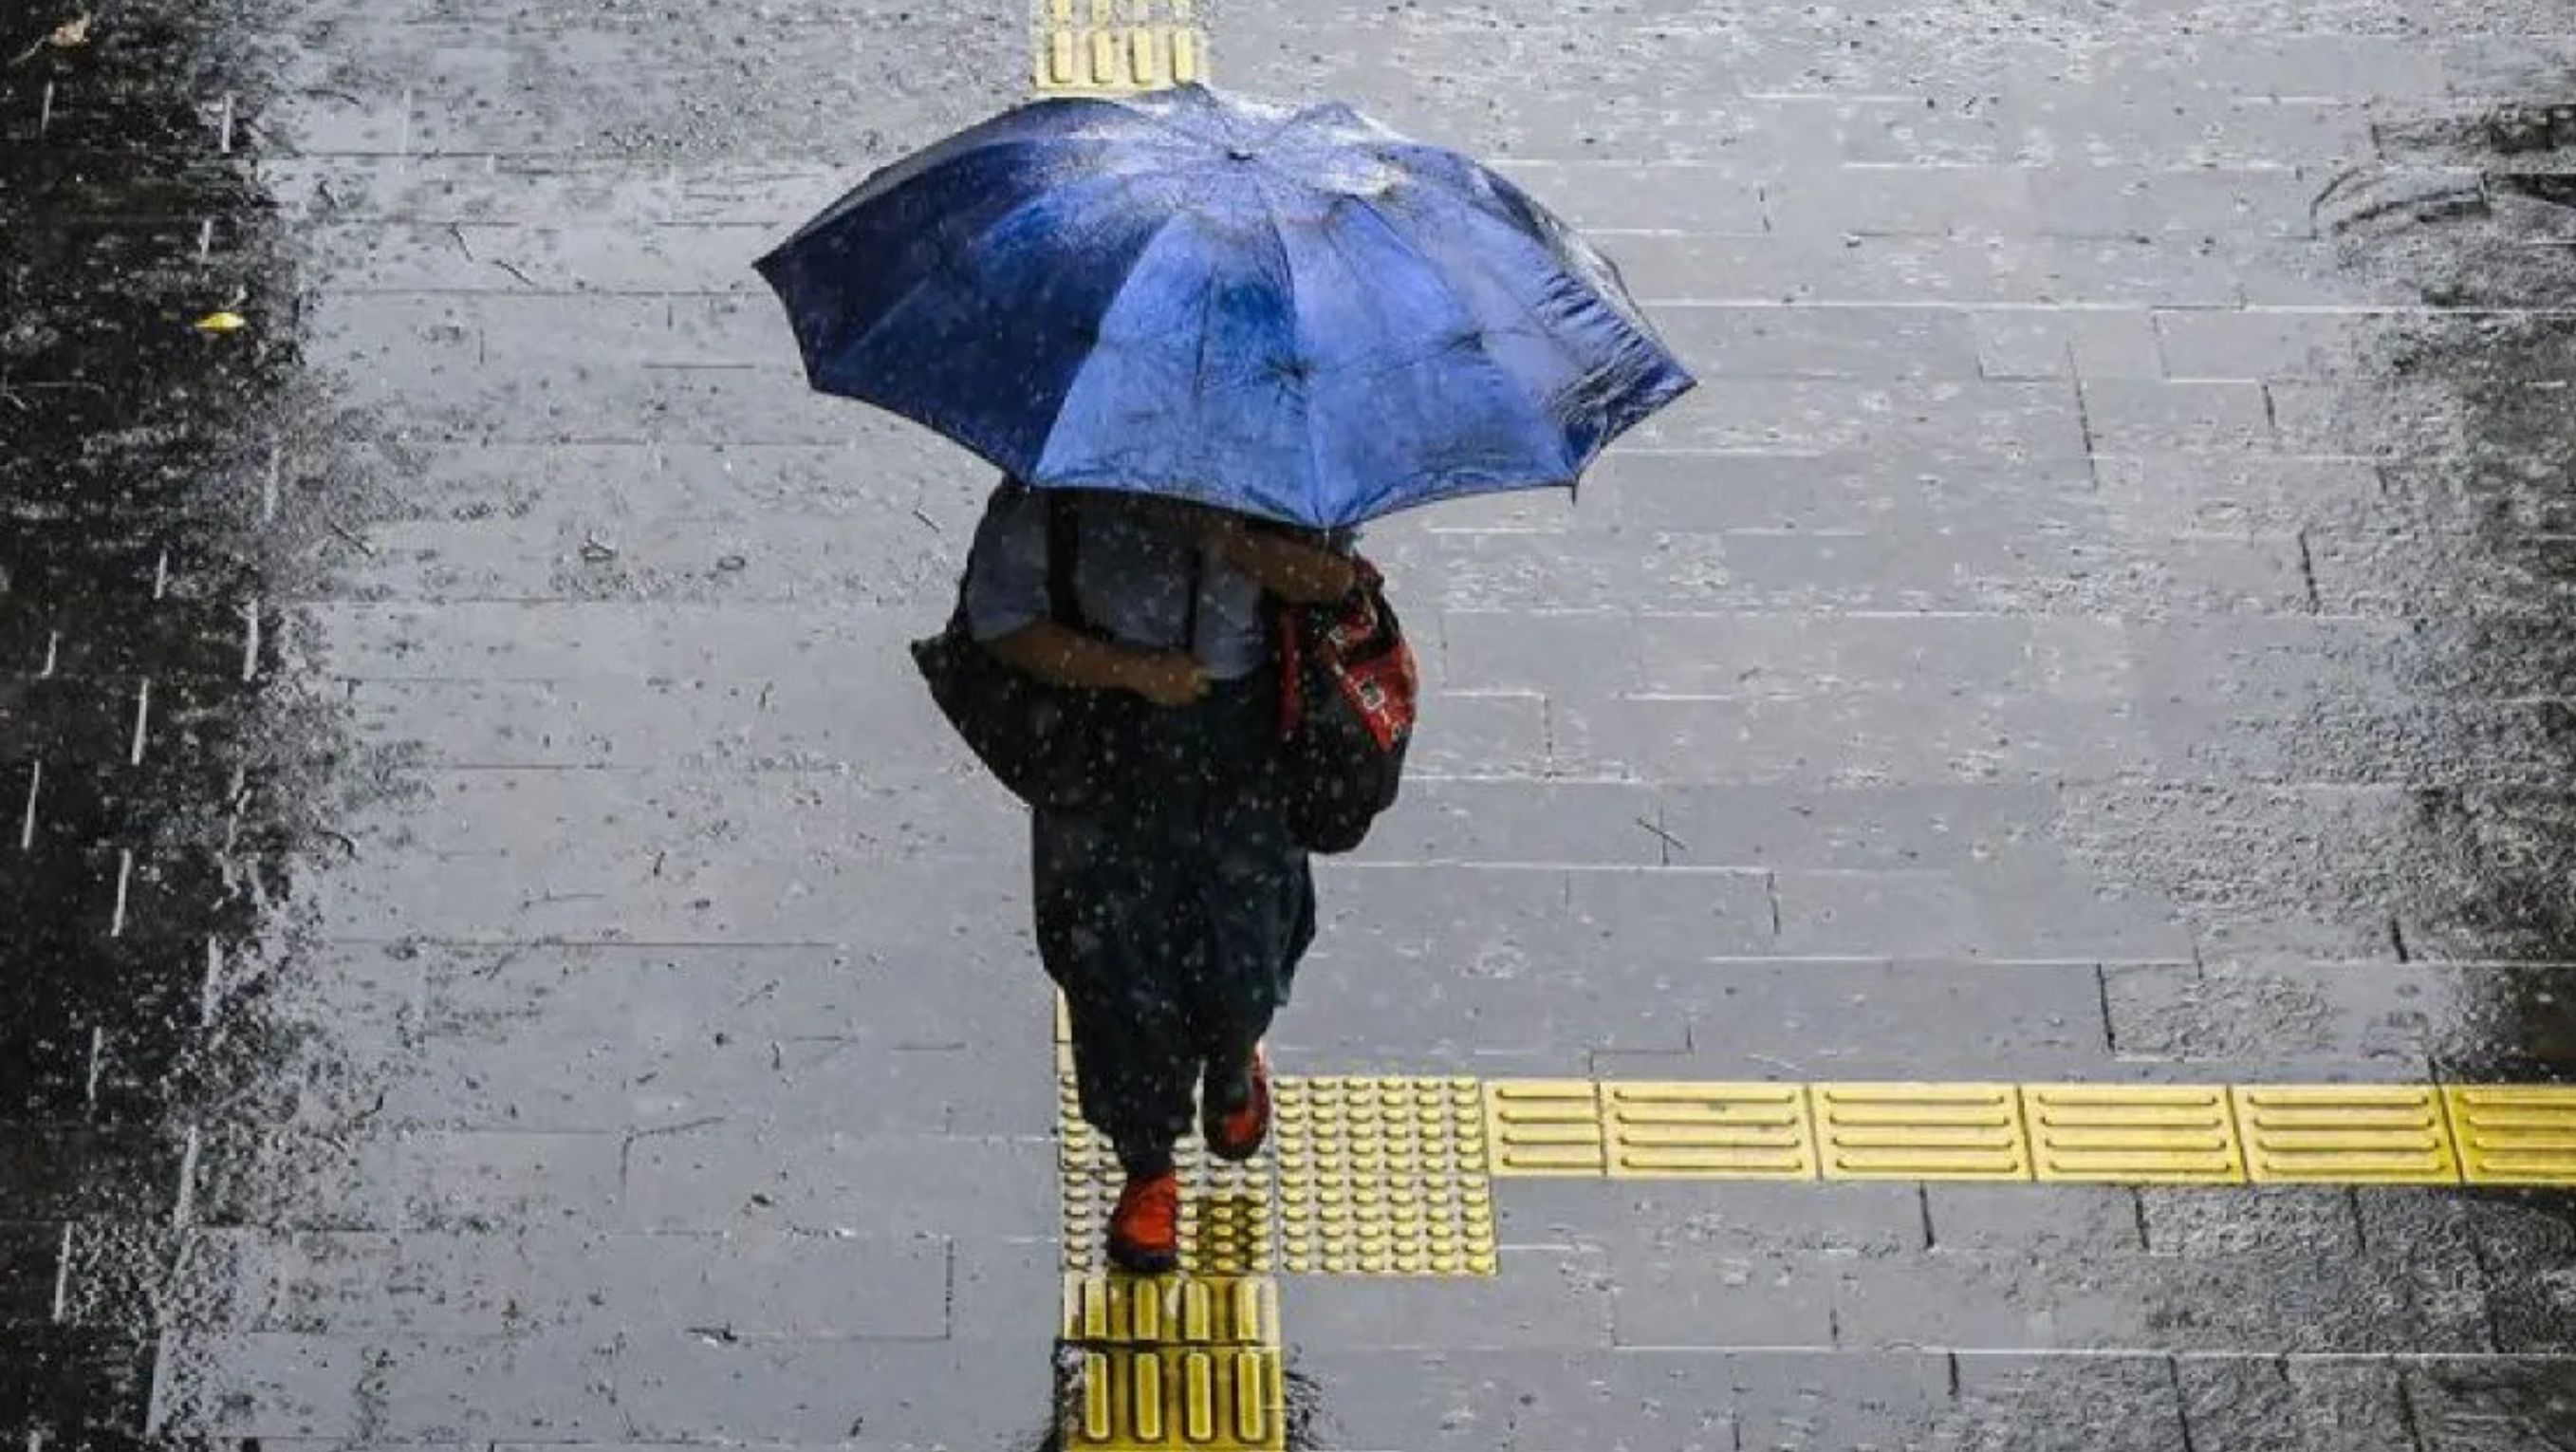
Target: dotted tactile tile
2515,1134
1545,1127
2346,1134
1708,1131
1921,1132
2133,1133
1112,47
1384,1176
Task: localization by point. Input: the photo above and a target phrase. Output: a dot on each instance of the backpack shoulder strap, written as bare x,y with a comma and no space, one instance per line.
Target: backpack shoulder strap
1063,541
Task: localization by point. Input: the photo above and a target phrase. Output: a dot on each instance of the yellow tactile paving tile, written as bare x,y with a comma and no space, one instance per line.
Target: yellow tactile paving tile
1383,1176
1545,1127
2346,1134
1228,1226
1679,1130
2133,1133
1172,1361
1109,47
1118,1309
1920,1131
1149,1398
2514,1134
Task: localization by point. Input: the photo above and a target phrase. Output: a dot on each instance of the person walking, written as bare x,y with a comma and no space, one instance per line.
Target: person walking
1204,338
1173,914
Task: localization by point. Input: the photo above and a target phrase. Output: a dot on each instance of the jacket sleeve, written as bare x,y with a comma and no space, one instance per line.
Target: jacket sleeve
1006,569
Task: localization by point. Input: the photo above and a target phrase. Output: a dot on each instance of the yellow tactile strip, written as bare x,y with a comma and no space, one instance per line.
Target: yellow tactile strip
1167,1361
2346,1134
1921,1131
1145,1398
1124,1310
1545,1127
2133,1134
2514,1134
2176,1134
1708,1131
1109,47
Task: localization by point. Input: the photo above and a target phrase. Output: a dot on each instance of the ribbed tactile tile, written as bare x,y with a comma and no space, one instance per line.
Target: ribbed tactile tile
1117,1309
1545,1127
1384,1176
2133,1134
1683,1130
1109,47
2515,1135
2346,1134
1157,1362
1921,1132
1149,1398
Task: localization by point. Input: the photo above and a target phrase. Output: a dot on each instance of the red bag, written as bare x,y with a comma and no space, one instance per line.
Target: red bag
1347,690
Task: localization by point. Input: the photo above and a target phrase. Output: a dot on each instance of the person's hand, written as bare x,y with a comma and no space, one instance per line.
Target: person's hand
1168,677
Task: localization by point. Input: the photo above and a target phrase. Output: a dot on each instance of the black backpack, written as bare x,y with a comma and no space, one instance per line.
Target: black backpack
1348,688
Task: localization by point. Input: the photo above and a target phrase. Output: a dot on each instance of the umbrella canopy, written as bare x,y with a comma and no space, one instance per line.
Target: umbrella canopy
1291,313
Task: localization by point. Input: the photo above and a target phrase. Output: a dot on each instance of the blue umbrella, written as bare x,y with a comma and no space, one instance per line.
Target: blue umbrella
1296,314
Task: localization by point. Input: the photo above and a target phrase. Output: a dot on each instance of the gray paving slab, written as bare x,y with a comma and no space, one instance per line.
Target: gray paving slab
1866,1018
1685,1219
2288,1219
816,1181
1805,1402
2249,1303
2297,1402
2056,342
1709,1299
2054,1403
2474,1404
2046,1222
1557,1298
1552,1400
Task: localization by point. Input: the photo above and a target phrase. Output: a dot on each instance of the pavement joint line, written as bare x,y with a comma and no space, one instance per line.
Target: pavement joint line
27,820
124,877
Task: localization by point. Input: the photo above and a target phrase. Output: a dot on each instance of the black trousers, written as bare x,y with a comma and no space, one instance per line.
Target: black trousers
1173,919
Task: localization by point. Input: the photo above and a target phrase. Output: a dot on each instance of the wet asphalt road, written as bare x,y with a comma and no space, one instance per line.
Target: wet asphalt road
493,947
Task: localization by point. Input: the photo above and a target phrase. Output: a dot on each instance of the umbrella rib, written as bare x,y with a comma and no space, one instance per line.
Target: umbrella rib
1476,259
1538,327
1314,481
1199,366
1123,180
1126,280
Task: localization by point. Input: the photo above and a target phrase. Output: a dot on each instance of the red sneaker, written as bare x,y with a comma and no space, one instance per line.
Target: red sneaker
1145,1229
1238,1134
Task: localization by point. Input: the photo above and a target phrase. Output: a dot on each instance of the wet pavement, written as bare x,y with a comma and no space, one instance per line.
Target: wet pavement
497,948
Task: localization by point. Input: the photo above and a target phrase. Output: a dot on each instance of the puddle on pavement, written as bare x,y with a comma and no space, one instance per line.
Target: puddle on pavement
2491,564
160,774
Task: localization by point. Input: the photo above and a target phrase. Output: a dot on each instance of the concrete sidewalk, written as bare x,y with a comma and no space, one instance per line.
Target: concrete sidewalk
498,948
